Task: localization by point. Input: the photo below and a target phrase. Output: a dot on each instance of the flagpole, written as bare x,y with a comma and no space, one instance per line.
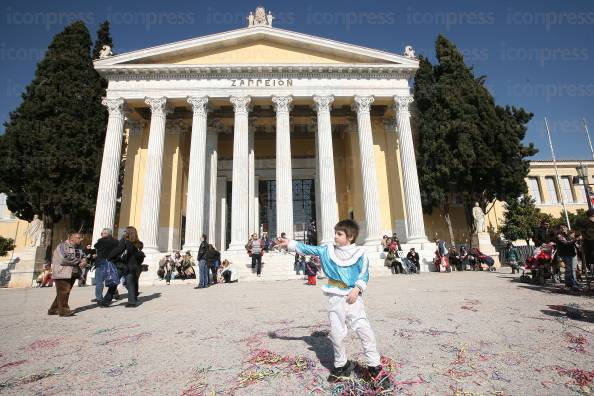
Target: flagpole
557,173
588,136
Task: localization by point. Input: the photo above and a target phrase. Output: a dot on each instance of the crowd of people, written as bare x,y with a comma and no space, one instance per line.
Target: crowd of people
560,247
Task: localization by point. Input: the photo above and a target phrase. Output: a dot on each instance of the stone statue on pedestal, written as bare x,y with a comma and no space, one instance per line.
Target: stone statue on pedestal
34,231
479,218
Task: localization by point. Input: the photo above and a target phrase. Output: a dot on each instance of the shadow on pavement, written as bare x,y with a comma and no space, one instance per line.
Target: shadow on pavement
318,342
123,298
567,311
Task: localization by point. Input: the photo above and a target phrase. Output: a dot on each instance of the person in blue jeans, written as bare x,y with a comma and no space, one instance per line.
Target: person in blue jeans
202,265
566,249
103,247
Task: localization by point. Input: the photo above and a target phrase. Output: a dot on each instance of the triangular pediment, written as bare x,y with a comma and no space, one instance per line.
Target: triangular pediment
257,45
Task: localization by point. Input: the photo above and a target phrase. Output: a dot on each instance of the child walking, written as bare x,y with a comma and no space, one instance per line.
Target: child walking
347,267
311,271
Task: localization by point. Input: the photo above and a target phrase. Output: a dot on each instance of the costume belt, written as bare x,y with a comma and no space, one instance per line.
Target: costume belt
337,283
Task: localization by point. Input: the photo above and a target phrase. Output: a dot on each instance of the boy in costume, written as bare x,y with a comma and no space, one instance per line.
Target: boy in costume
347,267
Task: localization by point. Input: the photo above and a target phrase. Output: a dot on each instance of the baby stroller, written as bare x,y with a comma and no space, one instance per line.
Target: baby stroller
408,266
484,259
541,264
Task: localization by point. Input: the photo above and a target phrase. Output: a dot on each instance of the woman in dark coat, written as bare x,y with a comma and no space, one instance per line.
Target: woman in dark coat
213,258
128,264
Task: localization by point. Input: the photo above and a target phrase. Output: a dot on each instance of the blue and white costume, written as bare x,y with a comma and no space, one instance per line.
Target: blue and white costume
346,267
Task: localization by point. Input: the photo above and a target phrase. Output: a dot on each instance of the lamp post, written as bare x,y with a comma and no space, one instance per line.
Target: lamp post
582,172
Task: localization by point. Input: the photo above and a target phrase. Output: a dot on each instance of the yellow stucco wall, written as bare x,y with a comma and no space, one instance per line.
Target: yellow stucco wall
257,52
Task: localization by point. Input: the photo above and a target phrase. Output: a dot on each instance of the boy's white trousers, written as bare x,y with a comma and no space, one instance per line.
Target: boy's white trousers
343,314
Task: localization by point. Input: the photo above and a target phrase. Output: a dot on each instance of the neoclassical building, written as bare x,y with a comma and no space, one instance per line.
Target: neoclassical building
259,129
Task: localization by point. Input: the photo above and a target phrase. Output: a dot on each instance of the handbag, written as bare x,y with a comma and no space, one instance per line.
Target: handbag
111,277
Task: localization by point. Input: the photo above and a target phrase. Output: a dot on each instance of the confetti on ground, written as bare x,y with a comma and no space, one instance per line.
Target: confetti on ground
41,344
11,364
28,379
580,377
578,342
127,339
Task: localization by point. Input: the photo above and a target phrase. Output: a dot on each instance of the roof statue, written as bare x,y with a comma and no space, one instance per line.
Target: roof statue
259,18
409,52
105,52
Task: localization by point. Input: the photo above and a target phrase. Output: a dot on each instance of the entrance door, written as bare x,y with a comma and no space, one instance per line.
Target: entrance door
304,208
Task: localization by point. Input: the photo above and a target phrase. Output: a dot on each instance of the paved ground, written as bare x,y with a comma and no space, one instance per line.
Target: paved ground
442,334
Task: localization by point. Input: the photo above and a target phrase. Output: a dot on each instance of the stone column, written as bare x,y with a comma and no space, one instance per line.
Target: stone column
221,207
412,193
110,168
362,106
329,209
197,163
284,175
251,174
149,228
210,209
240,193
256,204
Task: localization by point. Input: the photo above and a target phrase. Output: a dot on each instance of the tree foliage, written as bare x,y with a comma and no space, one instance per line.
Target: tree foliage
521,218
50,154
468,145
6,245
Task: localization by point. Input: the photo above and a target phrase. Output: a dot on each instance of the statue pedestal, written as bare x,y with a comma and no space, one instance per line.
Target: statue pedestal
28,263
482,241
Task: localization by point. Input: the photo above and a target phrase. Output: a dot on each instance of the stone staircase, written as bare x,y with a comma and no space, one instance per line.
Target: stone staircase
276,266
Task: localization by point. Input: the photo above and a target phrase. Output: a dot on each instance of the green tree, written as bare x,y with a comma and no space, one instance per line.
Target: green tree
103,38
468,145
6,245
50,154
520,220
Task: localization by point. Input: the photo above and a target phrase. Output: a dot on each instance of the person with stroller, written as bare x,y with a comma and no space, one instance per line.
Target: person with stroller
566,250
543,234
413,256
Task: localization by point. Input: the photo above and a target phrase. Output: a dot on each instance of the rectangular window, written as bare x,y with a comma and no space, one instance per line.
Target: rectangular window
566,189
553,198
579,191
534,190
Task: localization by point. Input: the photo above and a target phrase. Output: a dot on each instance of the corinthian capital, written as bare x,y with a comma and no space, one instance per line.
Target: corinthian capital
362,104
199,104
240,104
323,103
282,104
158,106
403,102
116,107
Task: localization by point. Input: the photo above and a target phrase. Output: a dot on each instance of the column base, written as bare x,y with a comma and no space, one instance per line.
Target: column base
373,245
418,240
150,250
236,247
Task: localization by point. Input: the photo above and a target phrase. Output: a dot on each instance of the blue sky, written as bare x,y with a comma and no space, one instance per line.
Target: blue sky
535,54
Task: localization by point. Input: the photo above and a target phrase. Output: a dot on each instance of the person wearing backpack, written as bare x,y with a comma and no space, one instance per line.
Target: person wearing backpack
128,258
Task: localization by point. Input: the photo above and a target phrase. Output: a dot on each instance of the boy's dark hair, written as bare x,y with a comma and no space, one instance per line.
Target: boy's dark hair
349,227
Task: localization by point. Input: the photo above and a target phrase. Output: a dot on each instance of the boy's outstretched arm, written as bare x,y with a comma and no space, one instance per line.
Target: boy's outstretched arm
302,248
